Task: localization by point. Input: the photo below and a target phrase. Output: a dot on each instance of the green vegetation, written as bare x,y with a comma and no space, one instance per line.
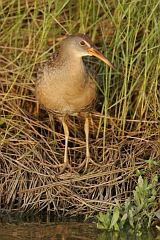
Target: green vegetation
137,213
125,134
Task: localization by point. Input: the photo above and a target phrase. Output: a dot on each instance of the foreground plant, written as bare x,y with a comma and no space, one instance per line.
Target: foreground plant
136,214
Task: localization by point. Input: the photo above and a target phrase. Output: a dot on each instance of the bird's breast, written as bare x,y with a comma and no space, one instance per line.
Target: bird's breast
66,92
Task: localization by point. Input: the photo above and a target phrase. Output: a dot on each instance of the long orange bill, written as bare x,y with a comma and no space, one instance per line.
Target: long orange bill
94,52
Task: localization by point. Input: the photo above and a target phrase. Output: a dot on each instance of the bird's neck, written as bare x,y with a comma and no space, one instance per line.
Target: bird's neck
74,67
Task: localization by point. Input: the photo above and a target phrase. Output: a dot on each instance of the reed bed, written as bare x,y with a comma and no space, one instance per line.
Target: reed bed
125,129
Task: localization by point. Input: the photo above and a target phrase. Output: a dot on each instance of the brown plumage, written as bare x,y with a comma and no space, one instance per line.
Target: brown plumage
65,88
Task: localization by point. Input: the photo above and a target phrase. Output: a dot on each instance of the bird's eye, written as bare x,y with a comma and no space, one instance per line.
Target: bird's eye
82,43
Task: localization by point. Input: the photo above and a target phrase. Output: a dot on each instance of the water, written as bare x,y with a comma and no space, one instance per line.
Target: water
50,231
66,231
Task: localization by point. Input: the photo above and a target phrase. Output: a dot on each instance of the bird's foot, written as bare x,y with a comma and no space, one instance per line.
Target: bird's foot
64,166
86,162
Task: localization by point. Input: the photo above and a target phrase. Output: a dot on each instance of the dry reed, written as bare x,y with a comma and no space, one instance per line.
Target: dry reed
124,134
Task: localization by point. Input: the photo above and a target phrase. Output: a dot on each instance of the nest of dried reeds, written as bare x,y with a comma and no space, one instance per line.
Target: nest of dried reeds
31,151
124,135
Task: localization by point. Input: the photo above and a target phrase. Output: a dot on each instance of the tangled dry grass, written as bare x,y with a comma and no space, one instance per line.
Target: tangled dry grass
30,179
124,136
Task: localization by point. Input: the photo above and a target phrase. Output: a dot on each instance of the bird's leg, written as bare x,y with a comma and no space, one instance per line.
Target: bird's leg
88,158
66,133
86,130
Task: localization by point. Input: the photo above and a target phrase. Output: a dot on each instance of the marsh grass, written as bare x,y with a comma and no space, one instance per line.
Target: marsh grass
139,212
125,131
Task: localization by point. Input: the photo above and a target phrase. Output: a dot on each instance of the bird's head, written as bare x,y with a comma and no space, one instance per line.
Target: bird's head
80,45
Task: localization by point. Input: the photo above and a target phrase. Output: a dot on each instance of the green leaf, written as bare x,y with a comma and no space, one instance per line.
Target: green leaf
101,226
116,227
157,213
131,221
104,220
115,217
123,219
158,227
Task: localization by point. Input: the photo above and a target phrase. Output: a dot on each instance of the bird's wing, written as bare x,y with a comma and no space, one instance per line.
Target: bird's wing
45,64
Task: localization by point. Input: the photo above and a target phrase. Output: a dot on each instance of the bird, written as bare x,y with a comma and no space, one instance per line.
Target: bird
64,87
